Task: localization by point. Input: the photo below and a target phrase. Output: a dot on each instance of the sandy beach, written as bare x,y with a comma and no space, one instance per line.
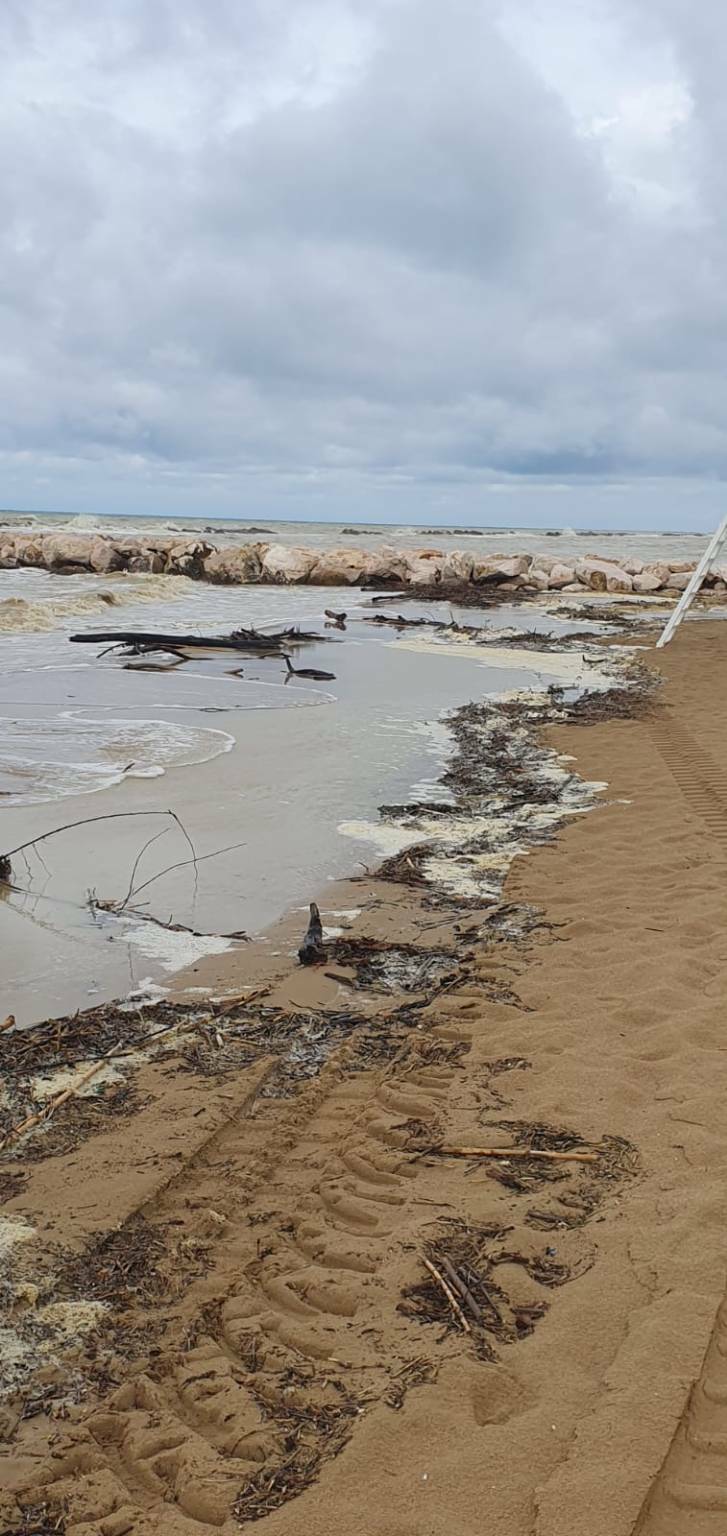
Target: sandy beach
248,1280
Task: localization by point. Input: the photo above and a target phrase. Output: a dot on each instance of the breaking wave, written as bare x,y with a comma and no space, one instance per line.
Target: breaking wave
46,760
38,614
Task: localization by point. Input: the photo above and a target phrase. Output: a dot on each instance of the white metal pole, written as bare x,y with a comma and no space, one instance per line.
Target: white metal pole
690,592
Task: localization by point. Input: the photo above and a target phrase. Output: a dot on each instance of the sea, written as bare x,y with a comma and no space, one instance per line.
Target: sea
274,781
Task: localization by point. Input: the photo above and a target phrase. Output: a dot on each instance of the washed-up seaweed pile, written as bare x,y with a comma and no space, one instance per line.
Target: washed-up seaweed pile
466,1257
578,1189
380,966
505,789
210,1039
313,1433
119,1268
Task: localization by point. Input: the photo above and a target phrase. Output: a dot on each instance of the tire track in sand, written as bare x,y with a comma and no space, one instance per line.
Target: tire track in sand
690,1491
315,1219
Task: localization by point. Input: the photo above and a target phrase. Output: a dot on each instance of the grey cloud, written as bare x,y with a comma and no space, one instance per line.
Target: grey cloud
327,246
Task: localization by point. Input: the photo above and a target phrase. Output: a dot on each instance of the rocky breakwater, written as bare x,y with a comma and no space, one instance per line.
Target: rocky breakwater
283,565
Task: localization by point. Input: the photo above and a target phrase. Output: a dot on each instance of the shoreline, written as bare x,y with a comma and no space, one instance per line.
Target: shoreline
283,1220
425,570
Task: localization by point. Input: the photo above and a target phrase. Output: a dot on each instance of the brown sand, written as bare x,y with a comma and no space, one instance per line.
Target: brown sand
269,1343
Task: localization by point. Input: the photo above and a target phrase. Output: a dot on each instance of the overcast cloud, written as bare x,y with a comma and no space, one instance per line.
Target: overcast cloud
385,259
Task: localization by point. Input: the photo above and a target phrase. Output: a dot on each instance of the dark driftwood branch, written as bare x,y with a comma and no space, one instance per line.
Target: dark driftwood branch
238,640
85,821
312,950
461,1289
449,1293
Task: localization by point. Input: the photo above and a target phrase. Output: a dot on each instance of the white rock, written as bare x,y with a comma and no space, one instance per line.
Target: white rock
234,567
538,580
60,549
386,564
505,568
103,556
423,567
561,576
283,564
457,567
338,568
679,580
646,582
603,576
659,569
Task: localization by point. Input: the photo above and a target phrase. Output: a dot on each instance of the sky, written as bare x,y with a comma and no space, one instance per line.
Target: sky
376,260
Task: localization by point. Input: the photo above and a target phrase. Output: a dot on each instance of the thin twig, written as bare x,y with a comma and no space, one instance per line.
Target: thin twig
137,861
526,1152
183,865
449,1293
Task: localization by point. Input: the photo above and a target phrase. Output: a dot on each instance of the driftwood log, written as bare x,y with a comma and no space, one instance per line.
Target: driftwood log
312,950
314,673
141,640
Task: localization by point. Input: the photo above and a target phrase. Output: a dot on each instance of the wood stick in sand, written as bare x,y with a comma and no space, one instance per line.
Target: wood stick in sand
49,1109
464,1290
506,1152
449,1293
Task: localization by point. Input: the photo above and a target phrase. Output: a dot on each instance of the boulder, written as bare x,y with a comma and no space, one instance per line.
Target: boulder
632,567
63,549
188,558
339,568
646,582
560,576
29,550
145,562
287,565
538,580
104,556
8,557
386,564
235,567
504,568
680,566
457,568
423,567
603,576
679,580
659,569
544,562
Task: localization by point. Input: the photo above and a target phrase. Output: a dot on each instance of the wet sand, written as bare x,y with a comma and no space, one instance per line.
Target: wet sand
273,1346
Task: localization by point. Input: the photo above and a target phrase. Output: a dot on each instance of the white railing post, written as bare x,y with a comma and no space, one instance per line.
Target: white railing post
690,591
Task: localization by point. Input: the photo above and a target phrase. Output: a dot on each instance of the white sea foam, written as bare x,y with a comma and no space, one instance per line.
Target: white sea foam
49,759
